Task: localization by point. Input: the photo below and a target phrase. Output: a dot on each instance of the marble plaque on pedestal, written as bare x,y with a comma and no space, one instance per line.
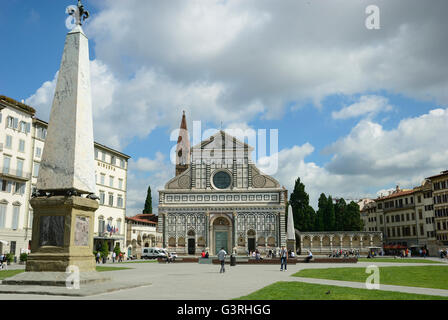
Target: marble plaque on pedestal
82,231
51,231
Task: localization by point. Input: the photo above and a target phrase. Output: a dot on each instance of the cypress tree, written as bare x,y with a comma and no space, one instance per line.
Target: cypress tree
148,202
299,200
329,218
319,218
339,212
303,213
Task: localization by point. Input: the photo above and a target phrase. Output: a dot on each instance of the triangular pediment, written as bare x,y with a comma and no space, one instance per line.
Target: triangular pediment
221,138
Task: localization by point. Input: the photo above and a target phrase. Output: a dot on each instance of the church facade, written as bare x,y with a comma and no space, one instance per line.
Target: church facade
220,199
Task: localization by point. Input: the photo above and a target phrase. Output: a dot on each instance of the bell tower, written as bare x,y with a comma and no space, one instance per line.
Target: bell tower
183,148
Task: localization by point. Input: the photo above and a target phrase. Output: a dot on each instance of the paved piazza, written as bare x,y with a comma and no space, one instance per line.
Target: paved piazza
191,281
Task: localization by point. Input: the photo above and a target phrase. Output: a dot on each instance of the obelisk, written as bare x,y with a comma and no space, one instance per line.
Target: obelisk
64,204
290,234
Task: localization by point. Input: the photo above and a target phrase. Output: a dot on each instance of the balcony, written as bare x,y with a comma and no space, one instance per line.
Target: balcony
15,174
402,207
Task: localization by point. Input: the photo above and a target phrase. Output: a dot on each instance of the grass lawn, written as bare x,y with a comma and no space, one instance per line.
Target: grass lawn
420,276
308,291
9,273
102,269
398,260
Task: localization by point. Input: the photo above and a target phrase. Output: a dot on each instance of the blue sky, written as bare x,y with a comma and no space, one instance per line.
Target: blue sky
353,106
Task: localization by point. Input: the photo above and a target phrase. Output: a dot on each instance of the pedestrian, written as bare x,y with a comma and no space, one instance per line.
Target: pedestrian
222,258
120,257
98,255
114,255
283,258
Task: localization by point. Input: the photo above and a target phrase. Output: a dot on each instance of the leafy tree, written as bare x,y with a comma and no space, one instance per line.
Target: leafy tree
148,202
104,250
117,249
353,221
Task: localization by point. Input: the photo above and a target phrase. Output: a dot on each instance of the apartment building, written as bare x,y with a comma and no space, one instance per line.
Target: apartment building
405,217
22,139
440,203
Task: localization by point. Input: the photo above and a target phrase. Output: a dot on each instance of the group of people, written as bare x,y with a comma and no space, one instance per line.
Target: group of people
256,255
114,257
204,254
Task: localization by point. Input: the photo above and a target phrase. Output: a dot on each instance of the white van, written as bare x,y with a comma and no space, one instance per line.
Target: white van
153,253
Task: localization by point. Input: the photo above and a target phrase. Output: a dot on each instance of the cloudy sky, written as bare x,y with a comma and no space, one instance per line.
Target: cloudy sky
358,111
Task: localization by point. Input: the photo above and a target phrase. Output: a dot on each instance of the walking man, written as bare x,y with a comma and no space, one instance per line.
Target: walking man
283,258
222,258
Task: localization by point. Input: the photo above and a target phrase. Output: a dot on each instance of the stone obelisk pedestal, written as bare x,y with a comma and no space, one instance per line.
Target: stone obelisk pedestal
62,234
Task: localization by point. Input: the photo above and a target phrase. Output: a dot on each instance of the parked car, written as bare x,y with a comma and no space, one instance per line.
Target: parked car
153,253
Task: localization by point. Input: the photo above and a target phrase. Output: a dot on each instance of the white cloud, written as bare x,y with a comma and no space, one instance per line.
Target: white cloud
368,105
234,61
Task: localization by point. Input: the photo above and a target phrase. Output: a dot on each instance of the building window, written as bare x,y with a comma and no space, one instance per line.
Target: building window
120,184
3,207
111,199
19,167
101,225
38,152
102,197
112,160
15,217
96,154
6,164
8,144
41,133
122,164
103,156
120,201
36,166
20,188
111,181
103,178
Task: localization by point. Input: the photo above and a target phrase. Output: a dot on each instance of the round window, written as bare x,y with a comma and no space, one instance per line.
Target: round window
222,180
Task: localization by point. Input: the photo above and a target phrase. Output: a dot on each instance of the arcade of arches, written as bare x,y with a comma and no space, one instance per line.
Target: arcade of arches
326,242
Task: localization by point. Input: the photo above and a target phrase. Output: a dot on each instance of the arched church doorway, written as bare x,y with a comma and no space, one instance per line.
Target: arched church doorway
251,240
191,242
222,234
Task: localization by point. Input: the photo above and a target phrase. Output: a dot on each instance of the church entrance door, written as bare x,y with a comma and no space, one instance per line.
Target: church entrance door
251,244
191,246
221,241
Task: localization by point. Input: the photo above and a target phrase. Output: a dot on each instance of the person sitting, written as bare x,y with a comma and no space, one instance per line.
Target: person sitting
203,254
206,255
309,257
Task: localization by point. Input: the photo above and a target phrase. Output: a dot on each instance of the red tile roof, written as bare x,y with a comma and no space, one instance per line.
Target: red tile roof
441,174
397,194
140,220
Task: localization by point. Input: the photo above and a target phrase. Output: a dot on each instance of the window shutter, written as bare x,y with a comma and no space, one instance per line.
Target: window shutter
28,127
16,123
